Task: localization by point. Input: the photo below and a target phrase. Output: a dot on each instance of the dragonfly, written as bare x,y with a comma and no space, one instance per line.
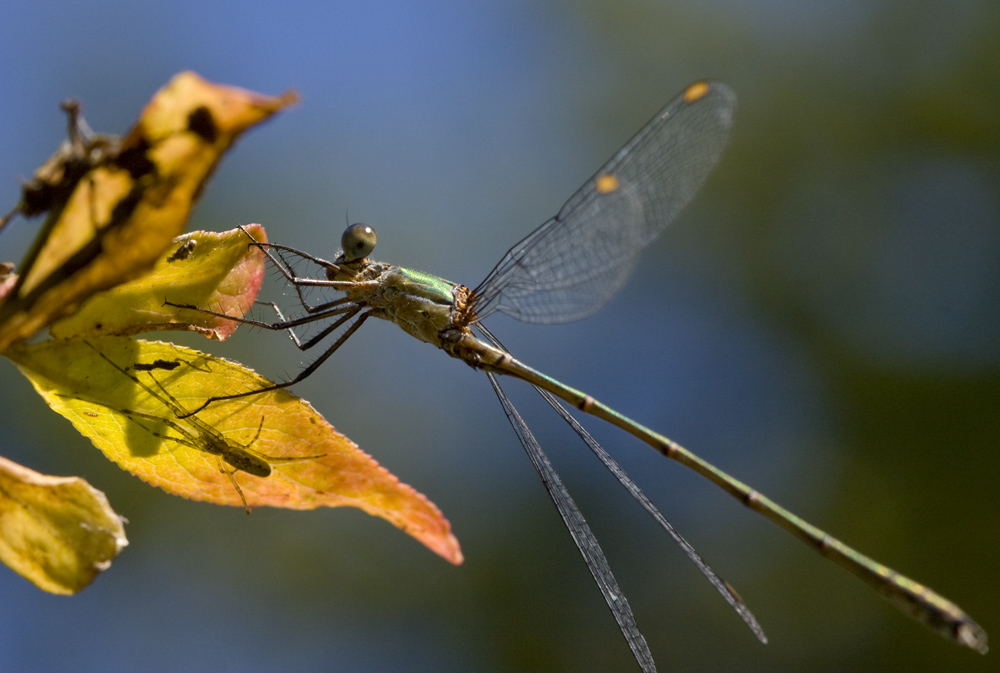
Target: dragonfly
564,270
195,432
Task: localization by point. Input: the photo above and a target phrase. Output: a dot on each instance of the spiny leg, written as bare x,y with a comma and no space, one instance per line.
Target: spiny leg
298,281
213,441
280,325
285,271
192,441
208,438
348,313
168,401
302,375
187,439
232,480
270,458
200,435
298,290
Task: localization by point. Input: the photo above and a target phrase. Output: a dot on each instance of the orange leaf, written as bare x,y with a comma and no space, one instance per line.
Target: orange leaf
109,223
202,268
129,397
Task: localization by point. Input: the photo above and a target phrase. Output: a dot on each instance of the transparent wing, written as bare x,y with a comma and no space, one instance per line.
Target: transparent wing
574,263
723,587
582,536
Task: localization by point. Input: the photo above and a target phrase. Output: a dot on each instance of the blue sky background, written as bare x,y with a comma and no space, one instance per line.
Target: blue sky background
823,322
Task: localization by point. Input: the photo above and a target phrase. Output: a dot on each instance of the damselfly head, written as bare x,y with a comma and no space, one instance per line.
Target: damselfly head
357,242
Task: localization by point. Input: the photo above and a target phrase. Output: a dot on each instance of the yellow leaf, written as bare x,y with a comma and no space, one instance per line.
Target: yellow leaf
202,268
130,398
114,219
57,532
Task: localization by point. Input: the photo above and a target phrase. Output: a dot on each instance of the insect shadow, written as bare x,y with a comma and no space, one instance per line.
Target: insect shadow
194,432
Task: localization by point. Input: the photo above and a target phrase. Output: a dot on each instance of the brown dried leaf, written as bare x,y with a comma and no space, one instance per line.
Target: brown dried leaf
134,198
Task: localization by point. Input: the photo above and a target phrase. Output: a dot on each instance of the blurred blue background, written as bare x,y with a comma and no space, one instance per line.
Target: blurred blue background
823,322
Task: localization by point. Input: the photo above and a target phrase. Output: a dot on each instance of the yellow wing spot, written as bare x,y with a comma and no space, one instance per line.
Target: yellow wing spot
696,91
606,183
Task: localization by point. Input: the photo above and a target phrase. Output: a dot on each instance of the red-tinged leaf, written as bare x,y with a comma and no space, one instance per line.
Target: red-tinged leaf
7,279
129,397
57,532
113,212
201,268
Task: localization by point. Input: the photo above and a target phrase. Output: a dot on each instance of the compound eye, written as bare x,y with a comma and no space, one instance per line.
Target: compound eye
358,242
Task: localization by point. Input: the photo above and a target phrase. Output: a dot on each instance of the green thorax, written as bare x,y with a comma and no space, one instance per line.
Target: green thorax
420,303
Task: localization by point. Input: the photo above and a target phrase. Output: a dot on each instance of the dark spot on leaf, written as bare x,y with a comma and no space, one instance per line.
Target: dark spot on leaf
38,195
135,161
169,365
123,209
200,121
